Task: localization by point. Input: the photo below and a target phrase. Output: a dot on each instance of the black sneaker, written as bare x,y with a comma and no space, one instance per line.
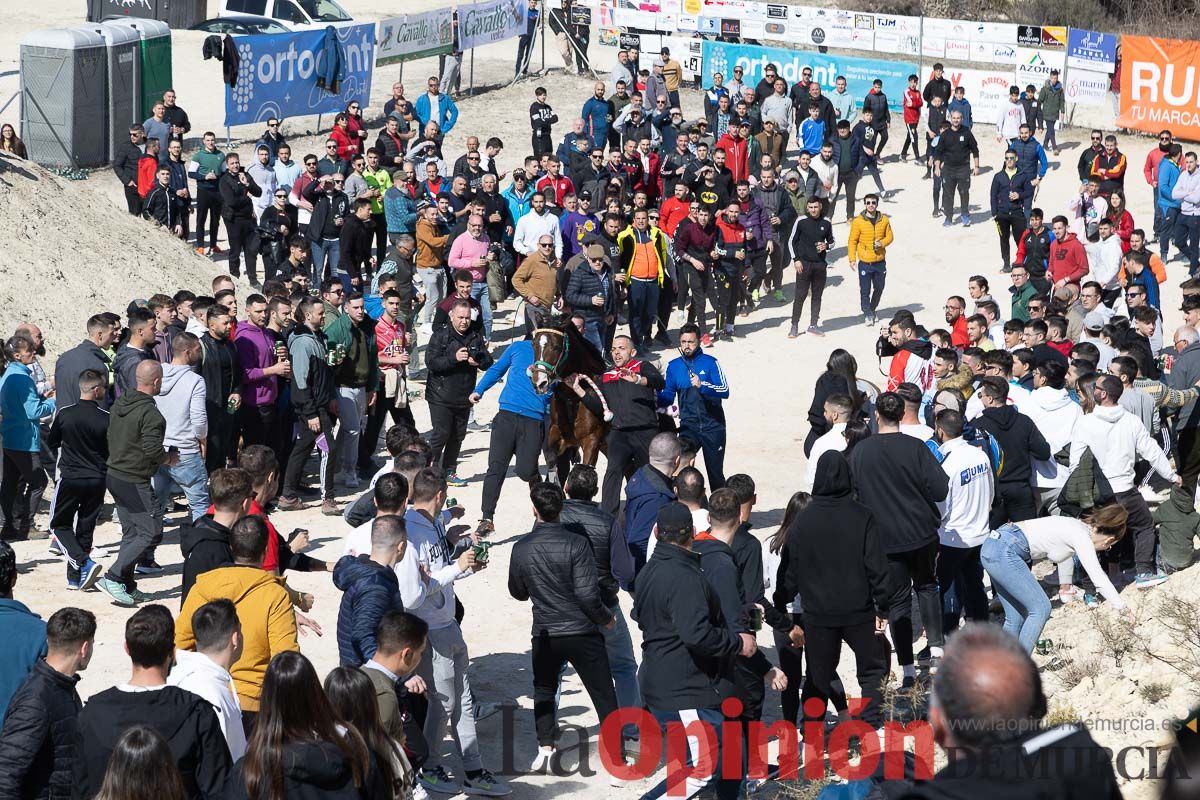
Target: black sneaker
149,567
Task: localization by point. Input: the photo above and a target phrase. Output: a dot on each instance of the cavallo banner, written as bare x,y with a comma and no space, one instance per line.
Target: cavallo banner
487,23
414,36
1159,86
278,74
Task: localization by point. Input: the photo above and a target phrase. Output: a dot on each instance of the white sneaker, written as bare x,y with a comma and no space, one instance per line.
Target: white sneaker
542,760
419,793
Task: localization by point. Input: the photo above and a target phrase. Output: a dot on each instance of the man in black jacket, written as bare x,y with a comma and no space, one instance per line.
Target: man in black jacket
37,743
137,348
833,559
222,372
187,722
455,353
354,247
125,165
237,209
1021,442
937,86
88,354
331,206
79,433
958,157
901,481
630,391
687,646
205,544
809,244
556,570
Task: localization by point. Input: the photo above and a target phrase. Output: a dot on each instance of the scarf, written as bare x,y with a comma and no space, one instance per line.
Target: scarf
614,374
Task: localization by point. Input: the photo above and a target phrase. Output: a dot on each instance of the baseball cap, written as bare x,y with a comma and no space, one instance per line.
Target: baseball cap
1094,320
674,518
585,195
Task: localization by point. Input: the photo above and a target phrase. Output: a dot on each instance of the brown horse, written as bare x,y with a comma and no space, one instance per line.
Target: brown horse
558,353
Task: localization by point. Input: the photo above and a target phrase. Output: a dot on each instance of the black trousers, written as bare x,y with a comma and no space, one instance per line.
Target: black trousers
449,430
376,416
956,179
21,489
628,450
702,290
73,514
208,209
959,570
824,646
587,655
1015,502
1141,525
760,265
300,451
1009,224
133,200
1189,457
848,181
512,435
791,661
243,239
542,144
726,289
812,276
222,437
909,570
911,137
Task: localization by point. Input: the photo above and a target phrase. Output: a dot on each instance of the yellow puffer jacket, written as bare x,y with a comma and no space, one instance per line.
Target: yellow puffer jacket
863,233
267,617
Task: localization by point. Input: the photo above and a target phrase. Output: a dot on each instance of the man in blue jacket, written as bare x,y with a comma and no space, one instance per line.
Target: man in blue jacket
648,490
1031,161
23,632
518,429
699,382
370,589
437,106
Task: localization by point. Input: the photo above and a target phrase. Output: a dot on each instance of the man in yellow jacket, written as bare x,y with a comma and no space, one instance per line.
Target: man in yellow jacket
263,607
870,235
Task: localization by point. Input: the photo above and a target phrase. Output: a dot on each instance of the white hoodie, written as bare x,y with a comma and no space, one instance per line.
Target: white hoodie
203,677
432,602
181,402
1055,414
1116,439
968,505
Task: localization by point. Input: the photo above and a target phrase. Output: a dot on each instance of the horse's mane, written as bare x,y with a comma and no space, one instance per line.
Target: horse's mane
583,354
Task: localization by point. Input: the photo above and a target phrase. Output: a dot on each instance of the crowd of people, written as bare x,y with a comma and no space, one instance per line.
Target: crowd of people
1011,431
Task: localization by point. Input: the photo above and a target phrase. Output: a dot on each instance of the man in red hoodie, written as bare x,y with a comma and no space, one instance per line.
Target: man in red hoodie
1150,170
736,146
1068,261
912,118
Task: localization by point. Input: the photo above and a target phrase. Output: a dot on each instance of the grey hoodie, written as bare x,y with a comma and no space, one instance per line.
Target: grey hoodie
181,402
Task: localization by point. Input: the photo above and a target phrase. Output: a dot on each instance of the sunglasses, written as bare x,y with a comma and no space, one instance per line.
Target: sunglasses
545,244
281,197
331,147
338,183
272,124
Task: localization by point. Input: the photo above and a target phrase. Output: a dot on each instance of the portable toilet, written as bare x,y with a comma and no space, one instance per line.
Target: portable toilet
124,69
64,78
155,52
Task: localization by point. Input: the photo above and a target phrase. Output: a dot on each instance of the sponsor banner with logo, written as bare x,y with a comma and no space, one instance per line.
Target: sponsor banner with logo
480,24
1033,66
278,73
1091,50
1086,88
1158,86
859,72
688,52
987,90
415,36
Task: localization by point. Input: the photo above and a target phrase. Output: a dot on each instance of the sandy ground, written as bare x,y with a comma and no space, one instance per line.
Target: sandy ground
771,379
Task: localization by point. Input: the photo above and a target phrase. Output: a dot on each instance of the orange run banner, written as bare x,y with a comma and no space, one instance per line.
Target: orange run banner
1159,86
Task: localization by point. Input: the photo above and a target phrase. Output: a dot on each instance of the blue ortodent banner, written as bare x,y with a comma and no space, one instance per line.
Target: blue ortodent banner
278,72
858,72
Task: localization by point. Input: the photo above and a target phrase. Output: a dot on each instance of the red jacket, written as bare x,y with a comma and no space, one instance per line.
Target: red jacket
672,213
912,106
958,332
652,178
558,188
348,144
737,156
147,175
1068,260
1153,159
1123,227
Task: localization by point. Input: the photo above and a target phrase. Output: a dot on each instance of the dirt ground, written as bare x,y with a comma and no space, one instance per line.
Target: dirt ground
66,252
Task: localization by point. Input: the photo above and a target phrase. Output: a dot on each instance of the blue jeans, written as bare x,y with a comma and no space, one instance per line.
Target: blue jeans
871,278
593,331
1166,229
323,249
643,306
1050,141
1005,556
190,476
1188,238
479,291
622,664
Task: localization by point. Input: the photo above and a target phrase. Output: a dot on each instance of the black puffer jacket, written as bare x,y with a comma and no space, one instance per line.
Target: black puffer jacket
37,744
589,519
315,771
451,381
555,569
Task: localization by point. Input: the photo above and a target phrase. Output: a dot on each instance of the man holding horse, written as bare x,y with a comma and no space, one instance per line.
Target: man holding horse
630,389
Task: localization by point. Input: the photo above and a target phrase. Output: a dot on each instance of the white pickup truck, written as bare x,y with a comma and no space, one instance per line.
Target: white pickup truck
296,15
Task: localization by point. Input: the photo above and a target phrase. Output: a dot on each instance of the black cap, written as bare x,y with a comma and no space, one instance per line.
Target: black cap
585,196
674,518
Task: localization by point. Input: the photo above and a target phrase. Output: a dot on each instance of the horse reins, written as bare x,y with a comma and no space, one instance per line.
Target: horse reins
552,369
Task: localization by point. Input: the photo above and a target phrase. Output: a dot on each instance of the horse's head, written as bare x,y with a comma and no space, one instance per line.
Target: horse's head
551,347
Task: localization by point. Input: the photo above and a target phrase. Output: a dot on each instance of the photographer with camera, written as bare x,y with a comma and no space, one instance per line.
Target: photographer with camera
454,353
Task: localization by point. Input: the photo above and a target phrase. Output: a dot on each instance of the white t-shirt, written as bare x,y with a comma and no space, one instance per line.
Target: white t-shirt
1060,539
699,522
833,440
917,431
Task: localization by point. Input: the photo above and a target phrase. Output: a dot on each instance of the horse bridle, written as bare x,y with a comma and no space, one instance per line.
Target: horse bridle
551,369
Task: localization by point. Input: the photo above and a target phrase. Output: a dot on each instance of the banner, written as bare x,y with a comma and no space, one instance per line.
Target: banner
1091,50
415,36
491,22
858,72
278,72
1158,86
986,91
1085,88
1033,66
